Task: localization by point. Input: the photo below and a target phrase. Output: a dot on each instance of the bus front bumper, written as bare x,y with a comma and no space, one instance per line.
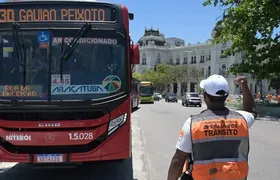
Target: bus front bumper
147,99
115,147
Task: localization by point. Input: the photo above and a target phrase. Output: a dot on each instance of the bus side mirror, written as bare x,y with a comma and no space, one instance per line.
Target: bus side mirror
131,16
135,54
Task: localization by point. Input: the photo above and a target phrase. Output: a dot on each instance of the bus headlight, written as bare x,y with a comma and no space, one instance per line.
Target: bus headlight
116,123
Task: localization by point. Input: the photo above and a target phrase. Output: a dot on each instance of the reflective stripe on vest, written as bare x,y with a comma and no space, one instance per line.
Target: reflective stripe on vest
220,141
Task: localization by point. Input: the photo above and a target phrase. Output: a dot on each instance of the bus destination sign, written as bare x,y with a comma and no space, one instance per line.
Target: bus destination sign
146,84
57,12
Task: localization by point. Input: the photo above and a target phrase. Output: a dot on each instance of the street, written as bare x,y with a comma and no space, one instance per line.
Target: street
162,122
155,129
94,171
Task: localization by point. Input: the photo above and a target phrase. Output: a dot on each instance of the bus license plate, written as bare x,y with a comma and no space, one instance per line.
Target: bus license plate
49,158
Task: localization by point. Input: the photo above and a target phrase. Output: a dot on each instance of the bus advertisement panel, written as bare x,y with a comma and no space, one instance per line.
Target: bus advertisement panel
65,81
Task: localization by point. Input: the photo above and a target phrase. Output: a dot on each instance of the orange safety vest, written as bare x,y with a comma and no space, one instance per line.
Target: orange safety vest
220,141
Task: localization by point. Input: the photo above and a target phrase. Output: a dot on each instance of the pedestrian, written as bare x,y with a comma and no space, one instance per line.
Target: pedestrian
216,140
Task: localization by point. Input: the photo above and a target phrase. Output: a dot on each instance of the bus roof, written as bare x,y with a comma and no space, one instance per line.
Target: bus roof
146,82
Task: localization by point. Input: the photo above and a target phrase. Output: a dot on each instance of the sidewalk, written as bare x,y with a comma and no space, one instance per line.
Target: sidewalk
261,117
268,118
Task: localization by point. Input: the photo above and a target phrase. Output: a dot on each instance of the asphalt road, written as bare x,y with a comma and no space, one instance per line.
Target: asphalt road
95,171
161,122
155,129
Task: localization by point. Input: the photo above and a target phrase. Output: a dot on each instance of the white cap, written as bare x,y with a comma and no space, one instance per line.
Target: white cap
214,84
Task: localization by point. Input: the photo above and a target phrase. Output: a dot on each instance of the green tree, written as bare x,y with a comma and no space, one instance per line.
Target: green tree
174,74
160,77
178,73
161,81
194,75
137,76
252,28
163,68
275,82
184,73
164,75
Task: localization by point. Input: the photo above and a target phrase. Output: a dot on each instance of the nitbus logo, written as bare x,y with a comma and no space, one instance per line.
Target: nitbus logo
49,124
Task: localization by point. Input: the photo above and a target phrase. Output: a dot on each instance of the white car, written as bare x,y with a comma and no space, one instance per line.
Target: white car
158,95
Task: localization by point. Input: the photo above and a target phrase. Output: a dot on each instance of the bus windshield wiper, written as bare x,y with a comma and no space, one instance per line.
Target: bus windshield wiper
72,46
61,59
20,49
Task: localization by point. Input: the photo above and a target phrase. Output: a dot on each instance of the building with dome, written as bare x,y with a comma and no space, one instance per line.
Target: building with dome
155,49
153,36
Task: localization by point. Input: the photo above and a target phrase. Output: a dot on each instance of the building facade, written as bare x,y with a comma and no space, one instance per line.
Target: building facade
207,58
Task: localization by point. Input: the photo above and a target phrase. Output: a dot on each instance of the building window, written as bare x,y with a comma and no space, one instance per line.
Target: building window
201,59
209,71
223,71
177,61
193,60
185,60
171,61
144,60
202,72
158,59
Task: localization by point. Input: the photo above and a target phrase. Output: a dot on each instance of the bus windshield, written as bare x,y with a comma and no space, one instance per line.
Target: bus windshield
13,85
94,70
146,90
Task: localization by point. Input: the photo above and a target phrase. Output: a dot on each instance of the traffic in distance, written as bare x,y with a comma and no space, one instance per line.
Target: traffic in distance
57,86
188,99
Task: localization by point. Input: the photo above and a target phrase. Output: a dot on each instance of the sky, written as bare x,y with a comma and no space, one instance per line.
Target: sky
185,19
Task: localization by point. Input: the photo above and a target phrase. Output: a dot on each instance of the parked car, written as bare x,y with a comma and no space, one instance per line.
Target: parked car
157,97
171,97
191,98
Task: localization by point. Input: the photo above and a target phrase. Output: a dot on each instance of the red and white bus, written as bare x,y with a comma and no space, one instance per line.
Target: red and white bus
65,81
